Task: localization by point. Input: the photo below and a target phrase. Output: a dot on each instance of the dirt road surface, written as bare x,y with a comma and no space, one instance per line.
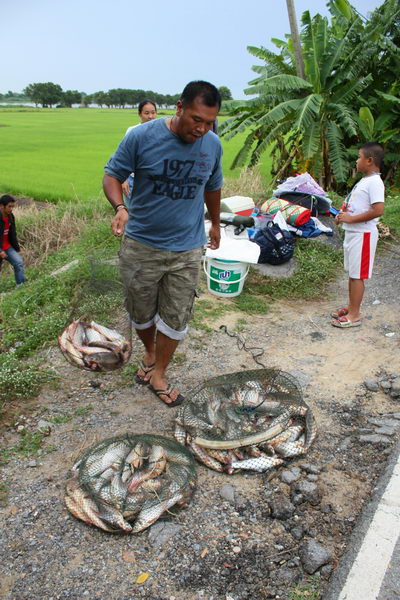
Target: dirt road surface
230,543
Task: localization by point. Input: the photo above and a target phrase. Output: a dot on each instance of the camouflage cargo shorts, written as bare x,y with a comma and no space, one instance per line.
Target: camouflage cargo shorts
160,286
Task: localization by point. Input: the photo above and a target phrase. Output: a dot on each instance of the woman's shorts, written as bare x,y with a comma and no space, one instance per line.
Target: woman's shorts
359,253
160,286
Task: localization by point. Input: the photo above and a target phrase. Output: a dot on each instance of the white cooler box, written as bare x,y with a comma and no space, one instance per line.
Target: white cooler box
241,205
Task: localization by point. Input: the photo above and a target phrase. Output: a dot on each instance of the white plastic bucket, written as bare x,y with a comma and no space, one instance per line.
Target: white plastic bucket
225,278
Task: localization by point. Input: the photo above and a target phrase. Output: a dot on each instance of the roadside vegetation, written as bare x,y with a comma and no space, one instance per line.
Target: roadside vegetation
78,234
347,95
56,157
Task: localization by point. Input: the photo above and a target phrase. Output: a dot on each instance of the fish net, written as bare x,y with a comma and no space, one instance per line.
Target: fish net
127,482
253,420
98,289
98,294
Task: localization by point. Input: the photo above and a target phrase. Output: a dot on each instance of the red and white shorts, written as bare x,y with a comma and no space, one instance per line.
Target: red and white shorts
359,253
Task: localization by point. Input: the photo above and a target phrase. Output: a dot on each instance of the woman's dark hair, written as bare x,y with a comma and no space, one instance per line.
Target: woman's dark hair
6,199
375,151
207,92
147,101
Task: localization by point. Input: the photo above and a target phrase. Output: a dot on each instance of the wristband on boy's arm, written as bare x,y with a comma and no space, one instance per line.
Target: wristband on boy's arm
116,208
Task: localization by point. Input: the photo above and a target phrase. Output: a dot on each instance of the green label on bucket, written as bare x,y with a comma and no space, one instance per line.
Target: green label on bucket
226,280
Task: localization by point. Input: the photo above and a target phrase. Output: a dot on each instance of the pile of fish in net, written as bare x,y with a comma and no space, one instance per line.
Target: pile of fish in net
251,420
95,347
125,483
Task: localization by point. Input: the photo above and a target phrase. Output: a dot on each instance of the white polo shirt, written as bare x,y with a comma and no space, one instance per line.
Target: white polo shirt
368,191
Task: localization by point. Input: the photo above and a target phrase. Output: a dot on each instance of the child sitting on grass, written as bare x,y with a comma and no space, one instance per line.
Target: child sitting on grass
359,216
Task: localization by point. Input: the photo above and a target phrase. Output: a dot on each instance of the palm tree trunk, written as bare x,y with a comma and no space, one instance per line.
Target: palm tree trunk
295,38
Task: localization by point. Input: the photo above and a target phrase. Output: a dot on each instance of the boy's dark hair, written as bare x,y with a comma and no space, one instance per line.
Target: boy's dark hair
146,101
6,199
207,92
375,151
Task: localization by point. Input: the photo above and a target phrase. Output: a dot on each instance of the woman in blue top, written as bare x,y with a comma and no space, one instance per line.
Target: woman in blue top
147,110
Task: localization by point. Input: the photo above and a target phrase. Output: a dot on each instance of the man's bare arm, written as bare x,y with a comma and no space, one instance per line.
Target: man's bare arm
213,203
113,192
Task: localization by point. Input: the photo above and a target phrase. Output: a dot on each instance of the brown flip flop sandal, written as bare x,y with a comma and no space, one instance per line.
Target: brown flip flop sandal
167,392
140,379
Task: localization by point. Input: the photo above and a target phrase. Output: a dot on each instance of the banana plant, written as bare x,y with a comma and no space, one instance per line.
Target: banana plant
308,123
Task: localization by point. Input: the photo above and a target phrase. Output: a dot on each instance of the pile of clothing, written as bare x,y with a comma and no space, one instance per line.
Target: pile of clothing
292,211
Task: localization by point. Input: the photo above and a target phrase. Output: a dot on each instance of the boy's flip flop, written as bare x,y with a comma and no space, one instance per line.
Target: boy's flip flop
344,322
146,369
340,312
167,392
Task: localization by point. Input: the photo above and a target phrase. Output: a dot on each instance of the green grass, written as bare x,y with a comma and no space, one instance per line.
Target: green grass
206,311
21,379
34,315
53,154
310,590
391,216
67,417
30,444
59,153
317,264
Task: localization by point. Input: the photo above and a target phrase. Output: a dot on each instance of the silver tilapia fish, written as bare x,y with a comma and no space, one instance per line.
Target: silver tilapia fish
129,478
205,458
151,512
260,464
94,347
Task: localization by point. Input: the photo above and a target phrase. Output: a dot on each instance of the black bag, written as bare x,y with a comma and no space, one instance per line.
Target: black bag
302,199
277,245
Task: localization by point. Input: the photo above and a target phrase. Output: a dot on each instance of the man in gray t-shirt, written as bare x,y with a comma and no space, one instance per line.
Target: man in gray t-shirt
177,165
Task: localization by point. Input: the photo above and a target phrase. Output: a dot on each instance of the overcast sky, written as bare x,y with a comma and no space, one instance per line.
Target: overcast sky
93,45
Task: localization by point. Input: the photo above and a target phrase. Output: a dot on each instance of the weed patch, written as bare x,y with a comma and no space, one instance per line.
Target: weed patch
30,444
21,379
306,591
207,311
67,417
4,492
317,264
391,216
179,358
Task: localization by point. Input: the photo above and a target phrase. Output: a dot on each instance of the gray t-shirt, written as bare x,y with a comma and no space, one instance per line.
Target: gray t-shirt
166,209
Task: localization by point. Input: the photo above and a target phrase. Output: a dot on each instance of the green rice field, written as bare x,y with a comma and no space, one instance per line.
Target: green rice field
59,154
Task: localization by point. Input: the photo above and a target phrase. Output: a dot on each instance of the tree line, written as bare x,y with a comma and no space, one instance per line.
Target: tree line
51,94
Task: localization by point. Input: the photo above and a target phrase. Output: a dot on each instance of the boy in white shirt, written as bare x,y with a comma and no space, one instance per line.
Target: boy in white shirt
359,216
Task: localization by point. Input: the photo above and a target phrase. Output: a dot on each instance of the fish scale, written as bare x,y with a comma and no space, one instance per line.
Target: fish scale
254,417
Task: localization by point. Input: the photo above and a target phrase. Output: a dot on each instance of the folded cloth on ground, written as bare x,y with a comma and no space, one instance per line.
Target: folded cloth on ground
312,228
293,214
238,250
301,183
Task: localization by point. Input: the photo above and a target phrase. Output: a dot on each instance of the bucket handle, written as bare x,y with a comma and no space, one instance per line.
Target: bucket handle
218,280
